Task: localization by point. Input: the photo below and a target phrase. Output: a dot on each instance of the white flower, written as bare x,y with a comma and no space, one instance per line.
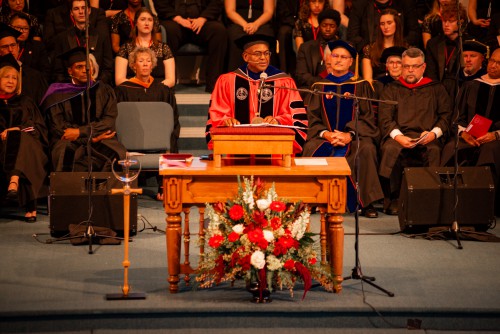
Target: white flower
273,263
268,235
238,228
263,204
299,226
258,259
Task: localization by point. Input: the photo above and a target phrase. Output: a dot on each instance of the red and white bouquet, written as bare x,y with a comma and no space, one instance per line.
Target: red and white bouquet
258,237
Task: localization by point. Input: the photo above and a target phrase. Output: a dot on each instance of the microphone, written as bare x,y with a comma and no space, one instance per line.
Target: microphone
257,119
263,77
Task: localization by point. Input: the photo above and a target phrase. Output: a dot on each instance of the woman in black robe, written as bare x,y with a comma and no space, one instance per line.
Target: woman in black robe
23,141
143,87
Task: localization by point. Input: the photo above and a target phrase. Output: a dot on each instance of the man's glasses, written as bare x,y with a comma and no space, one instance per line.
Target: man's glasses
393,63
8,46
335,56
413,67
259,54
494,62
22,29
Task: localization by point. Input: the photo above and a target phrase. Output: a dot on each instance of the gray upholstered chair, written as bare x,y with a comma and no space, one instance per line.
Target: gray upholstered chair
145,127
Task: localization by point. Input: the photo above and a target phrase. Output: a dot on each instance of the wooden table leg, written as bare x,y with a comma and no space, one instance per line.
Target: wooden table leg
173,207
336,249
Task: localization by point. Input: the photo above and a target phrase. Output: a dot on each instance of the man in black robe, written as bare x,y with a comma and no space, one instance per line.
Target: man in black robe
73,122
310,57
332,127
413,129
474,55
480,97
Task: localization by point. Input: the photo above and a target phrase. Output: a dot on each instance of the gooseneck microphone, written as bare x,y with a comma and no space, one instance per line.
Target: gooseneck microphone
257,119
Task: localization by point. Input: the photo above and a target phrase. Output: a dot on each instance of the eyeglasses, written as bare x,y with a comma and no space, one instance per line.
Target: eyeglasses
22,29
334,55
8,46
259,54
393,63
413,67
494,62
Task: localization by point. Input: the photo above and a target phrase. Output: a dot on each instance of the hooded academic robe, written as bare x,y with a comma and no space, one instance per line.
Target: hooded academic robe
157,91
327,114
421,107
235,96
24,152
65,106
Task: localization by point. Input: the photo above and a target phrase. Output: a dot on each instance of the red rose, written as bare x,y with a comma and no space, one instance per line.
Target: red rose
255,235
215,241
244,262
312,260
277,206
260,218
289,265
236,212
276,223
233,236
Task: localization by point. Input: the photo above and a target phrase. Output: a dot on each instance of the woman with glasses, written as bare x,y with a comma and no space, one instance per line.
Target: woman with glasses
23,141
143,35
32,53
247,17
10,7
389,34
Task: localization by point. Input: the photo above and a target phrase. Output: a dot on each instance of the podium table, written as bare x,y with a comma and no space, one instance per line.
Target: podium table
202,182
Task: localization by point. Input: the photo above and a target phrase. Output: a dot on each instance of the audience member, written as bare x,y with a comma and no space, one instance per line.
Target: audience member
144,87
391,58
33,83
247,18
310,57
236,99
32,52
111,7
99,44
480,13
480,97
493,37
474,55
76,120
307,25
23,136
412,131
198,23
60,19
443,51
340,6
10,7
432,25
332,127
286,14
365,17
143,35
389,33
122,26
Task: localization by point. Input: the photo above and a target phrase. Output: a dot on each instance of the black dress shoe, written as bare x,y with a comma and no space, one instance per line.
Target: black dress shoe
393,208
370,212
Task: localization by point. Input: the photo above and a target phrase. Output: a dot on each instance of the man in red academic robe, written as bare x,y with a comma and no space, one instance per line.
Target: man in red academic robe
240,96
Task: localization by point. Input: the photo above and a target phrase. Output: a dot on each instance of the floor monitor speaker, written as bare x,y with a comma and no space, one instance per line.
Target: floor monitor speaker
69,202
427,197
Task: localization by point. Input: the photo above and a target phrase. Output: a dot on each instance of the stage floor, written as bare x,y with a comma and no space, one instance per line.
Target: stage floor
59,287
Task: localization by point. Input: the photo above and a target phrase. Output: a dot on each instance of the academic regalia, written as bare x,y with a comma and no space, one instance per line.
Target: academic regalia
339,114
33,54
235,96
310,65
23,153
65,106
133,91
421,107
34,84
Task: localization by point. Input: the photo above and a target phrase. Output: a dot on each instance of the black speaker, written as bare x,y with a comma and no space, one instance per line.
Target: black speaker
69,202
427,197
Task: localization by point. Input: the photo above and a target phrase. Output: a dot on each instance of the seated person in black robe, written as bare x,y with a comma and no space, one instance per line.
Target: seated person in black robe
74,125
479,97
23,133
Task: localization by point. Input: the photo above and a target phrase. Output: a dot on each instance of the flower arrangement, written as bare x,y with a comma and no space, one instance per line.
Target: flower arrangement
258,237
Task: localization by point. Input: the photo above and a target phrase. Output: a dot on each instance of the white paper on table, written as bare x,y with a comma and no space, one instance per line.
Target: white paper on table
310,162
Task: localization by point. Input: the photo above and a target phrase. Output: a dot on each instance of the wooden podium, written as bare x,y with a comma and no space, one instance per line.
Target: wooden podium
202,182
253,140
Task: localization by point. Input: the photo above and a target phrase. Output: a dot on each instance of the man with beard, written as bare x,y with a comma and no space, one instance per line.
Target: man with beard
332,127
474,54
236,98
310,57
413,129
480,97
73,122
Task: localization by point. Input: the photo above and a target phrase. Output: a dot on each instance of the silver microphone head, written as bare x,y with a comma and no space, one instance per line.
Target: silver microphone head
263,76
